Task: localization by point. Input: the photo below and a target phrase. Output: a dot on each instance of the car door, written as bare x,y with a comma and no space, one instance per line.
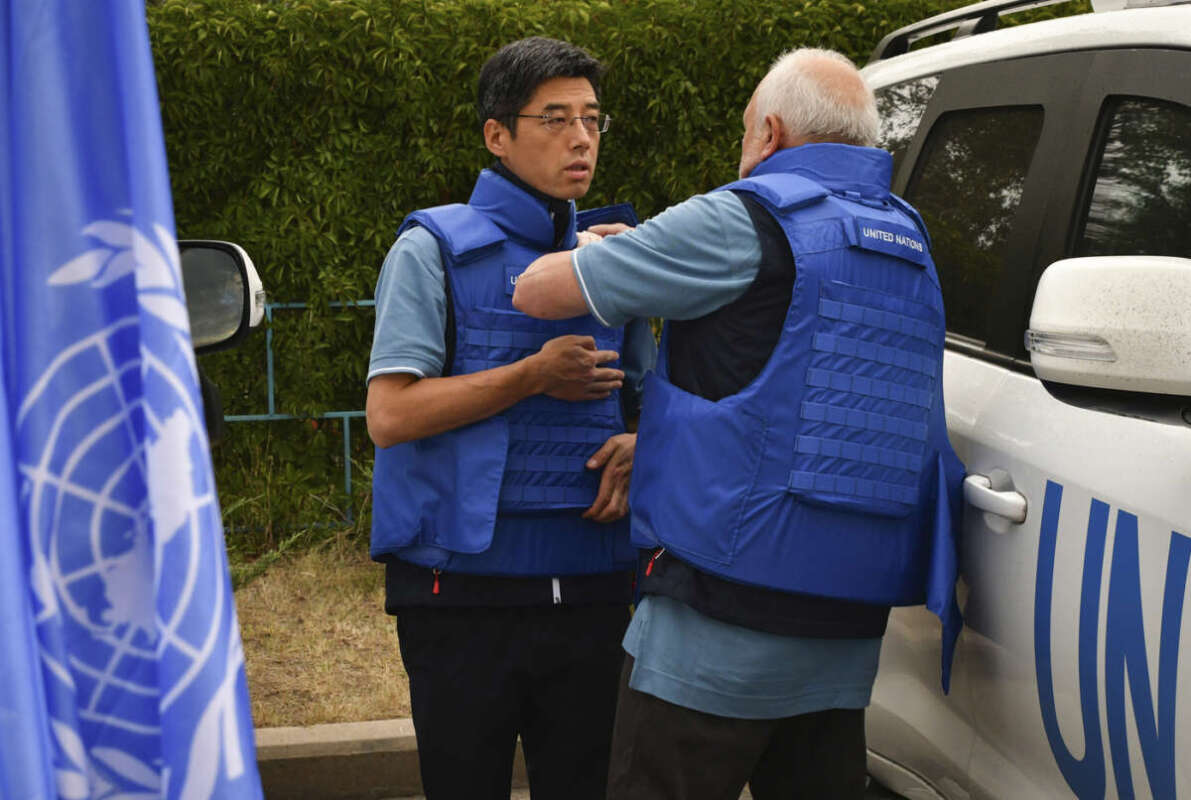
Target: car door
1066,603
1073,613
976,168
1076,614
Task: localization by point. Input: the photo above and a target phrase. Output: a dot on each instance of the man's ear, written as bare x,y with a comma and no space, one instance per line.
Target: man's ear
775,134
496,137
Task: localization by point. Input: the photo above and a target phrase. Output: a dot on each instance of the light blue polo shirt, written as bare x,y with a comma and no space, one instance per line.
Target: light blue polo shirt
683,264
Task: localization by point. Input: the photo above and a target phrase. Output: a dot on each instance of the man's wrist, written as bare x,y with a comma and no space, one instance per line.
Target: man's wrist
529,375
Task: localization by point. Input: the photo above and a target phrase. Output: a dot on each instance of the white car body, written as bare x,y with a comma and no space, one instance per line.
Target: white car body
1072,677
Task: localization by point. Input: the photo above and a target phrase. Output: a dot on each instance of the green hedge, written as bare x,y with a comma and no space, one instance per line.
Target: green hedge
307,130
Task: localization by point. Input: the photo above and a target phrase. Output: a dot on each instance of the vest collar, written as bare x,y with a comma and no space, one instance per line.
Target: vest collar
519,214
840,168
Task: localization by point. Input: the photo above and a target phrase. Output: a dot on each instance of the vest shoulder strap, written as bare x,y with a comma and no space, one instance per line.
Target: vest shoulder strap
909,210
781,190
462,232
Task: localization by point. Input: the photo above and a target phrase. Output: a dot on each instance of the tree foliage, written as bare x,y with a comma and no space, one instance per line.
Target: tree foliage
306,130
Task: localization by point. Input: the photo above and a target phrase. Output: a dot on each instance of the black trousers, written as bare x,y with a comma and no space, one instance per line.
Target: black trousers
662,751
481,677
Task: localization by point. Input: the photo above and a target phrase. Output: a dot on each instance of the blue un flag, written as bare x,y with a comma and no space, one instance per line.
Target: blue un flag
121,670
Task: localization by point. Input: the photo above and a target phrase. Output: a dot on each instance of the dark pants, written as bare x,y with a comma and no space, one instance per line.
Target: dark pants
661,751
481,677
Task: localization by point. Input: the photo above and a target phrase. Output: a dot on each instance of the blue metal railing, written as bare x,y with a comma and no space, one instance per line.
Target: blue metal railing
345,417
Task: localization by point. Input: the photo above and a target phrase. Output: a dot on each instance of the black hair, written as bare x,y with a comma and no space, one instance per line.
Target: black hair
511,76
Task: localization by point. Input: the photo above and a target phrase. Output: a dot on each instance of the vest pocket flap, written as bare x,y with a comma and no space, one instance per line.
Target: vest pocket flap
460,473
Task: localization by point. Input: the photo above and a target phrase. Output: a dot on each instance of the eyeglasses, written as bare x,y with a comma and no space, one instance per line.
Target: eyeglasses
556,123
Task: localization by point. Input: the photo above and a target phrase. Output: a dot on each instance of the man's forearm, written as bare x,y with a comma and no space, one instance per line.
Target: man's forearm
402,408
548,289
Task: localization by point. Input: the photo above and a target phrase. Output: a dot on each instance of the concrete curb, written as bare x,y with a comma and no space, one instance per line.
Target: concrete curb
345,761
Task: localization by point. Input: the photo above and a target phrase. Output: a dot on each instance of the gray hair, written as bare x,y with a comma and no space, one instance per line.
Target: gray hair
816,100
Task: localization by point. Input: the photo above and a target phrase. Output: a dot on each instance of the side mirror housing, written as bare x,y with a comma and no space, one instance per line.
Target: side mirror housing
1114,322
224,294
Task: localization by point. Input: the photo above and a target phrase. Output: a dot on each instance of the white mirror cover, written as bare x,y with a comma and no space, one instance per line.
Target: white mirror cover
214,293
256,294
1139,305
256,289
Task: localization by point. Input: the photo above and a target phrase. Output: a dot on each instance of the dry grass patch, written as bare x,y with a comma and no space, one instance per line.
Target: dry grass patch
318,644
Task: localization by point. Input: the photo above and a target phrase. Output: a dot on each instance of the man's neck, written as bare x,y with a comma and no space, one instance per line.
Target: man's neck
560,210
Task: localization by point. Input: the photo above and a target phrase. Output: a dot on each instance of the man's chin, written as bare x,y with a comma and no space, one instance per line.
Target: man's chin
574,190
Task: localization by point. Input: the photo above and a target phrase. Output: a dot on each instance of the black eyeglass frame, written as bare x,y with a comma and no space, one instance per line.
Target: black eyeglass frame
556,123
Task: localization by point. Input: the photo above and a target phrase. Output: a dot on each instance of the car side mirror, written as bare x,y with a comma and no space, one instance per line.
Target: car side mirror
224,294
1114,322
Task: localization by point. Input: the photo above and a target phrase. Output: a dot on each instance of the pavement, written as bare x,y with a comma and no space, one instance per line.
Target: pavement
347,761
361,761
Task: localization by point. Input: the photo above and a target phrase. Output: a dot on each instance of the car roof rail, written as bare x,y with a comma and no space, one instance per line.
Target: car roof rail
968,20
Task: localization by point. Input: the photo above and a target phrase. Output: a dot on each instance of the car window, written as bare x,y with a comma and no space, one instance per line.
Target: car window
901,107
967,185
1140,203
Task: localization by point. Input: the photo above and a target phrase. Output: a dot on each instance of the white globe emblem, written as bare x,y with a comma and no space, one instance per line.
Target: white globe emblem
126,612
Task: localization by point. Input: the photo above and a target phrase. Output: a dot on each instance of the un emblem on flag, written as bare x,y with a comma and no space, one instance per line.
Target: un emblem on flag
133,606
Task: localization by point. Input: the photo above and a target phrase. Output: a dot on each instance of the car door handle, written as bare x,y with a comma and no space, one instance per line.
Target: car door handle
979,493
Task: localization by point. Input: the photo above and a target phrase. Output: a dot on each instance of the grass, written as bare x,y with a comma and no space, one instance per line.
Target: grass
318,644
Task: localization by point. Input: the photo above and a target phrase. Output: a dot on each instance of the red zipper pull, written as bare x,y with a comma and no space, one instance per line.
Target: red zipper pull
435,589
649,566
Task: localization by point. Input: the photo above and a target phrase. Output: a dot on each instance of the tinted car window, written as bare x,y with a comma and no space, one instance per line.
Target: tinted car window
901,108
1140,203
967,186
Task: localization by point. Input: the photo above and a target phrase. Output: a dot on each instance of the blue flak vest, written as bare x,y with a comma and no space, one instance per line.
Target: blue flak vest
502,496
831,473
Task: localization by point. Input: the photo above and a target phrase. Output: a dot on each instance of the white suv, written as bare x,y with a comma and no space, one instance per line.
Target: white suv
1052,163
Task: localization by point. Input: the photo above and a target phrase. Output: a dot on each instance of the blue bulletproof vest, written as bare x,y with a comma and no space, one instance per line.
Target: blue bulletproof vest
518,477
831,473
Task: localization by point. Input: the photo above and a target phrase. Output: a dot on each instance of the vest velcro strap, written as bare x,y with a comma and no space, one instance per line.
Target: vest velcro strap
512,495
854,451
522,340
557,433
526,462
463,232
869,387
843,485
864,420
876,318
877,353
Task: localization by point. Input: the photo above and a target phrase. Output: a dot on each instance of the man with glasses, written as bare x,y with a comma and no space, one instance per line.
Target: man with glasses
501,475
794,478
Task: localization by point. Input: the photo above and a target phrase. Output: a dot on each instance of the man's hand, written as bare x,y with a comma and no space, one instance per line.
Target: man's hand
597,232
608,229
616,458
584,238
568,368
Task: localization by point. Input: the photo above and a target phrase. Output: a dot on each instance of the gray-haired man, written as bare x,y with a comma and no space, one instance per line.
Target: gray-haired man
793,478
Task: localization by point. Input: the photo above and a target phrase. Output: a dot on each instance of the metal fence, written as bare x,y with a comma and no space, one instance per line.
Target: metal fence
271,415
